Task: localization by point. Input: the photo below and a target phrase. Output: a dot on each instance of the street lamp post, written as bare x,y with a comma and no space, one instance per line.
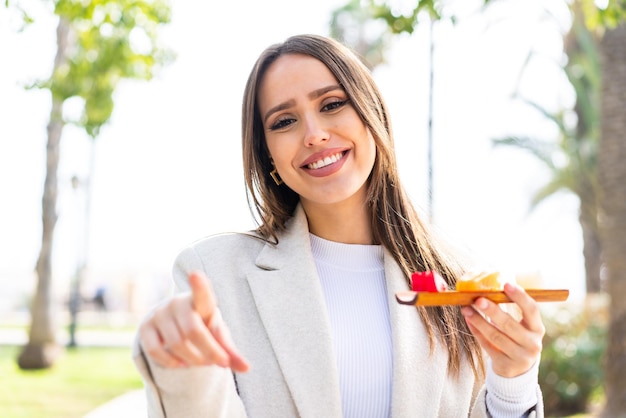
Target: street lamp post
75,291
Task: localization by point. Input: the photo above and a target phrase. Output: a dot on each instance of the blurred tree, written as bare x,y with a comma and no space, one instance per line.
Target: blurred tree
608,23
367,26
572,160
356,25
99,43
612,166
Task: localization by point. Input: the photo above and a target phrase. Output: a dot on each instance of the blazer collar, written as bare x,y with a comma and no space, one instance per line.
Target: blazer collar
290,302
413,362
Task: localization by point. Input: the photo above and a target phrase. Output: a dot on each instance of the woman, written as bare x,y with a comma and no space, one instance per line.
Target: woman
299,318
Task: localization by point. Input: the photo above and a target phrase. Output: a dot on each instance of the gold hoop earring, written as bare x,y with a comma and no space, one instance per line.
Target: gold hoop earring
276,177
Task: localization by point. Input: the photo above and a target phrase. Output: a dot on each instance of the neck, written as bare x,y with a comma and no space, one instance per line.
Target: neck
345,222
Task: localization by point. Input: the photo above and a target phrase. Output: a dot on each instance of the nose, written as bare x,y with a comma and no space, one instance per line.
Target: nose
315,131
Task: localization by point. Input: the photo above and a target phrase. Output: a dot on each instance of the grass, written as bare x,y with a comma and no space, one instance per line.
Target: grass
80,380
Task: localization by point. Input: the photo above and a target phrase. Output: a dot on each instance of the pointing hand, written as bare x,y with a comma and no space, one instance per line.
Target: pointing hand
188,330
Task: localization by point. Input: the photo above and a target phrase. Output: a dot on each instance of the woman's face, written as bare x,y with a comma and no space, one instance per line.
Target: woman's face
320,146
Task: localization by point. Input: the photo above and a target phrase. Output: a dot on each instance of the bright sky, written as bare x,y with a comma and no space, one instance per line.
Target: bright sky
168,166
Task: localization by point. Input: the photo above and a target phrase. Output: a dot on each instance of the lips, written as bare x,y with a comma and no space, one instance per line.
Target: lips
325,163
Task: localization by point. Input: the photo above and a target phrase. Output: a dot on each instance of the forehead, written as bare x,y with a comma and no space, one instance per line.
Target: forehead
292,75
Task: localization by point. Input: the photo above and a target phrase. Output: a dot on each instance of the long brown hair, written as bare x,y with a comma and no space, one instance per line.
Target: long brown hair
395,222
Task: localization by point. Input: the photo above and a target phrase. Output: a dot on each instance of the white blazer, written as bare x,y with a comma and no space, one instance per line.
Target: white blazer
271,299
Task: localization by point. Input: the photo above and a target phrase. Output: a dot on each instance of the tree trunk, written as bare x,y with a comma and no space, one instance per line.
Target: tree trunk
612,170
592,247
42,348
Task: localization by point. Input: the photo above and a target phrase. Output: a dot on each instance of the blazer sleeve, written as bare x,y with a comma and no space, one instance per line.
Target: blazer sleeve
194,392
201,391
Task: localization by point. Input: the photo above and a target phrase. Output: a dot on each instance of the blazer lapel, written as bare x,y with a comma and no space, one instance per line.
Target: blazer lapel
291,305
418,374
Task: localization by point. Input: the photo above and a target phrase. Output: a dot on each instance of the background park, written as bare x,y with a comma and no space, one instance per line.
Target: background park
119,145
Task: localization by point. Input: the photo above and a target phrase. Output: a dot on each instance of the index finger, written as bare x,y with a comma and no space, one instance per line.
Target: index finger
202,297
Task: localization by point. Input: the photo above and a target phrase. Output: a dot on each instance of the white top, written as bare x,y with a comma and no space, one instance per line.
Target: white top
353,282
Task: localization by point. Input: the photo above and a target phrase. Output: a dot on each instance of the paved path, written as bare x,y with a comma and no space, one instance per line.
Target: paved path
84,338
129,405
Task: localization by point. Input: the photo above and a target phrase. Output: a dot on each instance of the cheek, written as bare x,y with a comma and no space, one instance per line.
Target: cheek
370,149
280,153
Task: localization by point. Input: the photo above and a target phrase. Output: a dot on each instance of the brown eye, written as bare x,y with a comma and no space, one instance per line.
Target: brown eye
334,105
282,123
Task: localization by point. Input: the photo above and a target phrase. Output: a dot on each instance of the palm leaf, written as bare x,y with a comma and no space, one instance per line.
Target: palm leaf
542,150
552,187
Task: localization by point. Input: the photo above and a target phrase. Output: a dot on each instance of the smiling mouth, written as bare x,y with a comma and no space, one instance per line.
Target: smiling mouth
315,165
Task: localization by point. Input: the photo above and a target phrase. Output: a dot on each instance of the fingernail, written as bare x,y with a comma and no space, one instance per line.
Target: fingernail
481,304
512,287
467,312
224,362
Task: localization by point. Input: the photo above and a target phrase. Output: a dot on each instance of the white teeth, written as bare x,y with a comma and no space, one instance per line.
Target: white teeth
325,161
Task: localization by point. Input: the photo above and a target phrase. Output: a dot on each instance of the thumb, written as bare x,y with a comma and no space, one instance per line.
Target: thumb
202,297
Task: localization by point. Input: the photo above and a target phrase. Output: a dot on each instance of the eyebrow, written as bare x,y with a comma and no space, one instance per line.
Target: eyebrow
289,103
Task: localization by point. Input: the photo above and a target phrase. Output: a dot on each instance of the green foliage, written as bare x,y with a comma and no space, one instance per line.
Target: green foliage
603,17
397,20
403,18
354,24
25,17
110,40
571,372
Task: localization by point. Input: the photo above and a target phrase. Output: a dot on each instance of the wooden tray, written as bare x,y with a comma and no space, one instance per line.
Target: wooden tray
467,298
